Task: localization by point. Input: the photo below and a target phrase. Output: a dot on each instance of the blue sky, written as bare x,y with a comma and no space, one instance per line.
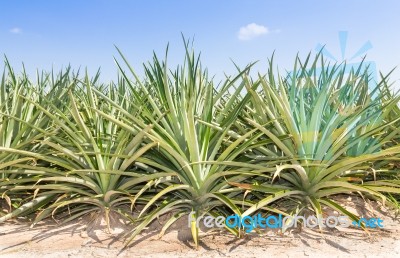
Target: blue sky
45,34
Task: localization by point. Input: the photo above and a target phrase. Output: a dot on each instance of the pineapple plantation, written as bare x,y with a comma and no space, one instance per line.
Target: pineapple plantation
175,142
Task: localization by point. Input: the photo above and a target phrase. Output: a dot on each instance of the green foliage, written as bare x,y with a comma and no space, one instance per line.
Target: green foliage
174,142
337,126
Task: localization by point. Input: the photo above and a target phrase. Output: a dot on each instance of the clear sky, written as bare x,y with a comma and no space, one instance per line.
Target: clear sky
45,34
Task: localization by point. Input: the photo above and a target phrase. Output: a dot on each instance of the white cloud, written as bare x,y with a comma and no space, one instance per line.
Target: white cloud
16,30
251,31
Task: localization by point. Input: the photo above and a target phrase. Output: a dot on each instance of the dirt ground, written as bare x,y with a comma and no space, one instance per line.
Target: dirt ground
75,240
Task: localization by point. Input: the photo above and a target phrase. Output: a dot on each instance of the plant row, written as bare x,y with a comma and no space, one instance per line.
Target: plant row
174,142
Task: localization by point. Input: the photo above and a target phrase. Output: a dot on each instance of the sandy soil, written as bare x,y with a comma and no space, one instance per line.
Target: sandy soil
76,240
